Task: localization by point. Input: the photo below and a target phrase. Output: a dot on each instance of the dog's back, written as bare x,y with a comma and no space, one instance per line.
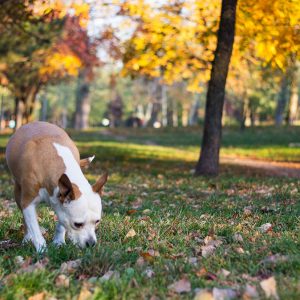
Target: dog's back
33,159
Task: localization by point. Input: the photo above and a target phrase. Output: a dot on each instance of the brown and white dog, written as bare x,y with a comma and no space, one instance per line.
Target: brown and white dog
46,166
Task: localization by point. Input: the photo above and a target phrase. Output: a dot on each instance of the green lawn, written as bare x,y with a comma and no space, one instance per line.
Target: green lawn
175,217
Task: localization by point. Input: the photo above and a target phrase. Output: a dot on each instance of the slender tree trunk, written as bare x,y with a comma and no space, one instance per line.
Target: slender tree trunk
83,105
282,100
175,113
164,106
193,117
208,163
155,98
19,112
294,98
44,109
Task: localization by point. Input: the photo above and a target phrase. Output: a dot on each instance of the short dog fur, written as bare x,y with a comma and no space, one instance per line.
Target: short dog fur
46,166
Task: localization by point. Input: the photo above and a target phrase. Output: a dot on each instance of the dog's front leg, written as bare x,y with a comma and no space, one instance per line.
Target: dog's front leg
33,229
59,237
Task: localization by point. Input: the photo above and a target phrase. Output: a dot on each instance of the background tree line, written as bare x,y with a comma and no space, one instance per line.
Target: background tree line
155,62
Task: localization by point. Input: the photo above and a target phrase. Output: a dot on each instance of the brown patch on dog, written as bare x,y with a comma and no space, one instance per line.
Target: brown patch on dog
67,191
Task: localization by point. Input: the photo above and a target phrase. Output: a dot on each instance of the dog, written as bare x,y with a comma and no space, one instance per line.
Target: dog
46,166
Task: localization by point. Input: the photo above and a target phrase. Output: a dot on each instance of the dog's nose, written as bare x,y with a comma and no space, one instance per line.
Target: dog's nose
90,243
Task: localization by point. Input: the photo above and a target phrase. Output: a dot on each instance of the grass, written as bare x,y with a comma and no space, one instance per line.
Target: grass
152,191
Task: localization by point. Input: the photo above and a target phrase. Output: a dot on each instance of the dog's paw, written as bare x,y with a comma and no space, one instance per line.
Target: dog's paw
58,242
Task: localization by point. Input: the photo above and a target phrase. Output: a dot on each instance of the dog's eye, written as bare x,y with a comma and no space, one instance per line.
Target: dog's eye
78,225
97,221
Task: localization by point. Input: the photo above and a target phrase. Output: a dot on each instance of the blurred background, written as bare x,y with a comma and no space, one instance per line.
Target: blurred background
142,63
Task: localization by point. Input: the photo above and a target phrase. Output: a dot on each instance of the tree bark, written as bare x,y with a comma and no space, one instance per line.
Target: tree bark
208,163
282,100
83,104
294,98
19,112
164,106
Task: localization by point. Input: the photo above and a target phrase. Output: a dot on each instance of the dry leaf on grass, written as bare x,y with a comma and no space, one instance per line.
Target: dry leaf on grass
62,281
210,241
250,292
85,294
131,233
207,251
108,275
237,237
70,266
265,228
26,267
180,286
149,273
203,294
269,287
224,272
39,296
224,294
273,259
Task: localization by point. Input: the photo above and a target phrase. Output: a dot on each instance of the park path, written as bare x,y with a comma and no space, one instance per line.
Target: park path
272,168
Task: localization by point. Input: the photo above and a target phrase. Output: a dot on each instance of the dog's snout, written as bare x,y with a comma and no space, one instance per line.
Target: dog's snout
90,243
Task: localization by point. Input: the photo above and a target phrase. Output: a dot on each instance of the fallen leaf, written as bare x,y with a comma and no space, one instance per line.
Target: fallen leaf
62,281
181,286
39,296
131,233
26,267
149,273
202,272
273,259
248,210
237,237
265,227
224,272
19,260
131,211
203,294
193,260
84,294
210,241
140,261
207,251
239,250
70,266
224,294
108,275
250,292
269,287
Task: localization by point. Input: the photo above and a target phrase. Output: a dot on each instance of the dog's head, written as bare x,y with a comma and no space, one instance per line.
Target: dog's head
80,210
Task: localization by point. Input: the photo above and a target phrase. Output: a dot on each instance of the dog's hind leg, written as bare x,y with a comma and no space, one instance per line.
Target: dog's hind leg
18,194
33,228
59,237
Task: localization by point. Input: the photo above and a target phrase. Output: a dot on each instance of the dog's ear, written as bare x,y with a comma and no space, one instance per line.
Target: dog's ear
67,190
98,186
85,162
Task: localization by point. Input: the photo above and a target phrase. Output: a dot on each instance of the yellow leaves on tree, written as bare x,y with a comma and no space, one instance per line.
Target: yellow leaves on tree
60,65
174,41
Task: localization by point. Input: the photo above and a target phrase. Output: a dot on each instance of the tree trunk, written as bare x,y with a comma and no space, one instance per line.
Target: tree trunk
164,106
193,117
294,99
282,100
208,163
19,112
44,109
83,105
